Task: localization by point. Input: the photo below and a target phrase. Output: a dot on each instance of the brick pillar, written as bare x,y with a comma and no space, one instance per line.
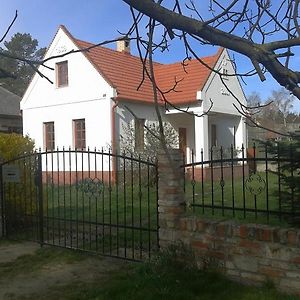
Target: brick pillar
171,196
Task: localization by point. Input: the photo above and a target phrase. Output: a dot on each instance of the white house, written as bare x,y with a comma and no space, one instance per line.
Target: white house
87,104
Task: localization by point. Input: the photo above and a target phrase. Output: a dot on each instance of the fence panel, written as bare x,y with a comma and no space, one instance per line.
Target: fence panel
93,201
260,187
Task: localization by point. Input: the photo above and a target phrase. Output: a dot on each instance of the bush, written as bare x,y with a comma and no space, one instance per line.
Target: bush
148,153
14,145
19,197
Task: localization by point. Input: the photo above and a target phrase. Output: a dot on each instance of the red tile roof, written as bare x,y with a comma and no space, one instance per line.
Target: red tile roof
124,72
186,79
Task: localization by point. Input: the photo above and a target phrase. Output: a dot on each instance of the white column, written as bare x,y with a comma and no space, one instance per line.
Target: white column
201,137
241,134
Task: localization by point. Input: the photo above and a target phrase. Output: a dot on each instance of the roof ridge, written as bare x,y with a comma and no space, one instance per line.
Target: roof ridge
192,60
114,50
9,92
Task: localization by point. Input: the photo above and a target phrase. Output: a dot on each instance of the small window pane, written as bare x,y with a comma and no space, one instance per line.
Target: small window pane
62,73
49,136
79,134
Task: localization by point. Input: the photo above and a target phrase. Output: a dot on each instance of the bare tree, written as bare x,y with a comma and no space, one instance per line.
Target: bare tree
254,103
283,103
266,32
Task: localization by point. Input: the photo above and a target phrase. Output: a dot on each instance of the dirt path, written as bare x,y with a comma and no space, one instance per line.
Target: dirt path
10,252
50,276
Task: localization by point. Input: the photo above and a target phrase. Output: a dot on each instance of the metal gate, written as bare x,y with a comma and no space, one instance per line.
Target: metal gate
93,201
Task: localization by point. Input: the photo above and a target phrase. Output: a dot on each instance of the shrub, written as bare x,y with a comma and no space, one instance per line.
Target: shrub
19,197
149,153
14,145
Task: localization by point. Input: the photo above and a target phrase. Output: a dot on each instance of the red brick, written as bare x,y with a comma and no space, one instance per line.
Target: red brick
265,234
296,260
201,225
292,237
271,272
243,231
174,210
217,254
221,229
200,245
249,244
171,190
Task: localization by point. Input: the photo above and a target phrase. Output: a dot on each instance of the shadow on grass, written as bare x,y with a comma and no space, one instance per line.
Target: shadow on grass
172,274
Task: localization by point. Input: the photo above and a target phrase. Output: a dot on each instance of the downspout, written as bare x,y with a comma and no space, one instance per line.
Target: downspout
113,139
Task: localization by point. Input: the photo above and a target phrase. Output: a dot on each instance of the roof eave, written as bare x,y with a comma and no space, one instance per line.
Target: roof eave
143,101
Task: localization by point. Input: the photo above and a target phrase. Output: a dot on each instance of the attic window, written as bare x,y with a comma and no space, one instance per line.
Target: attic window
62,74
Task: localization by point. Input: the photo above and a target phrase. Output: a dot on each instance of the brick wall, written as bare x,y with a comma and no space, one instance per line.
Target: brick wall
248,253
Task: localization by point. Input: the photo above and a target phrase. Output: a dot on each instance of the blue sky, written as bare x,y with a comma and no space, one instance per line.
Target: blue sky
95,21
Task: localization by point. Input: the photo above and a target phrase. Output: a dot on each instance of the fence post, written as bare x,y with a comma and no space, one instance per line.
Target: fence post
171,204
2,216
40,199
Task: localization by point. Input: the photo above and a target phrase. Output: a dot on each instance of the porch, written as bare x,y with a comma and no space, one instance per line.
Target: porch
199,137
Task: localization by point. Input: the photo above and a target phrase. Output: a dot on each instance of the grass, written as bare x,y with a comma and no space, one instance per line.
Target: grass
30,263
169,276
6,242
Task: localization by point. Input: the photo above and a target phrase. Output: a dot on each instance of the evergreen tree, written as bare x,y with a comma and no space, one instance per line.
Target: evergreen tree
21,45
288,154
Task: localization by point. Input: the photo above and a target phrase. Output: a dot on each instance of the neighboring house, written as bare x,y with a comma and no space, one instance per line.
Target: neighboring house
10,115
94,92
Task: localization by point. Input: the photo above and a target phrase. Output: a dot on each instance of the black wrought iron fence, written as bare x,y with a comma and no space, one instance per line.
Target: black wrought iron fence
89,200
258,184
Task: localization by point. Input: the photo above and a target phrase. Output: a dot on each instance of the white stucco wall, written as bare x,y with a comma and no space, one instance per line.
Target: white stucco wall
86,96
180,120
97,123
222,113
141,111
215,90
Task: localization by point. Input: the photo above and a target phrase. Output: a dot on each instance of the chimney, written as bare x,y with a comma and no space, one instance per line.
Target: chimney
123,46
